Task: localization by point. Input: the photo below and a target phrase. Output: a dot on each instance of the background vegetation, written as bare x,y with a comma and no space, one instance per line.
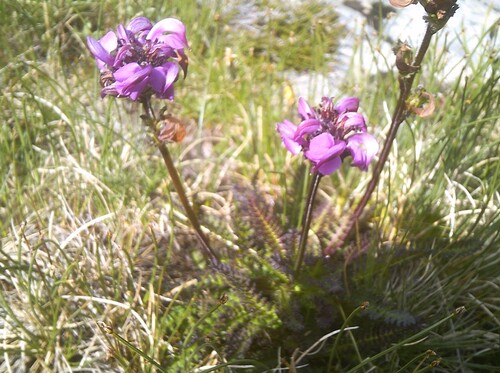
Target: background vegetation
97,257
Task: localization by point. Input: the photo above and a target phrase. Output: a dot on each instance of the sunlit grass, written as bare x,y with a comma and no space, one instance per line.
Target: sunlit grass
94,238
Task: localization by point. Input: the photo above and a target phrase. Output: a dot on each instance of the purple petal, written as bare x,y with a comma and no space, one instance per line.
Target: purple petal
287,130
362,147
139,24
324,147
171,40
162,77
126,71
168,94
170,25
306,127
109,41
347,104
123,34
157,79
100,53
159,50
352,121
121,55
324,151
291,146
328,167
109,90
305,110
132,79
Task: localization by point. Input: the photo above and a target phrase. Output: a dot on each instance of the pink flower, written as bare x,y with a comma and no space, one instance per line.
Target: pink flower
141,59
287,131
329,134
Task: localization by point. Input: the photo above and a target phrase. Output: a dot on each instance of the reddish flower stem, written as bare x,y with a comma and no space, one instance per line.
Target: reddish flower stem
400,114
179,188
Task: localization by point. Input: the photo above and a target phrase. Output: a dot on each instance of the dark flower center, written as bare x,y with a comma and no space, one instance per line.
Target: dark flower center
329,120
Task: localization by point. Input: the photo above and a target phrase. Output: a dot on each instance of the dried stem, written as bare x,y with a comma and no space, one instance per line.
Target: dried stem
400,114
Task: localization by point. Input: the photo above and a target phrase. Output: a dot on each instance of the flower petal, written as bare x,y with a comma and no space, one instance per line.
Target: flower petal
126,71
123,35
109,90
347,104
139,24
324,147
172,41
163,77
122,55
132,79
100,53
328,167
109,41
362,147
352,121
170,25
305,110
287,129
324,151
306,127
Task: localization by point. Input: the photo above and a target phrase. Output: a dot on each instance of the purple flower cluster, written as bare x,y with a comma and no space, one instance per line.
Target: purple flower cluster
141,59
330,133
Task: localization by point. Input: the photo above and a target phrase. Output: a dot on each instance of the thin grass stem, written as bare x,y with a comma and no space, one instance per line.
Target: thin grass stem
223,299
317,346
422,357
109,330
343,328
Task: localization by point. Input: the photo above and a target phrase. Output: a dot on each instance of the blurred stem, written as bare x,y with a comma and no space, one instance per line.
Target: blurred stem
303,195
306,221
400,114
179,188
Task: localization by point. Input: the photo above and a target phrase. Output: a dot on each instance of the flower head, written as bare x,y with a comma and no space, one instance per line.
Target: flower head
330,133
141,59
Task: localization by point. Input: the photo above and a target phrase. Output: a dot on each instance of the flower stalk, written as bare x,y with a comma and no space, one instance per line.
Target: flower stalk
179,188
401,112
144,59
306,222
327,135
